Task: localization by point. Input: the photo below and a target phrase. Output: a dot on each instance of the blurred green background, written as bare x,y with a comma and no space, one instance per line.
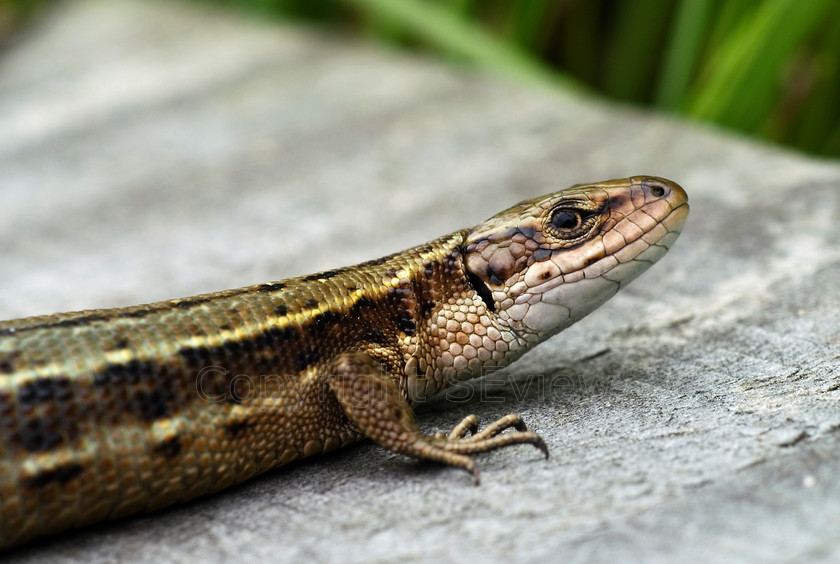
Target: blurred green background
769,68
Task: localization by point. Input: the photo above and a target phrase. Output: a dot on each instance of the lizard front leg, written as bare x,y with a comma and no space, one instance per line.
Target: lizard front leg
372,401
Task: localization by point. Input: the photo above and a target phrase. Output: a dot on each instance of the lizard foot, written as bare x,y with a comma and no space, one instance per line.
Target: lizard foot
373,403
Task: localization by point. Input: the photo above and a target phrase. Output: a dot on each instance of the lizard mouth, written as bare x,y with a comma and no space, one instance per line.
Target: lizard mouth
482,290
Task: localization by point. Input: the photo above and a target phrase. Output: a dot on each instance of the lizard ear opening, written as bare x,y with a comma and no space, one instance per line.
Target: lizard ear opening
482,290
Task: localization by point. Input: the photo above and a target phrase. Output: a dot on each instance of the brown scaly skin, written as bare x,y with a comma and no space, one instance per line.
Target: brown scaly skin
104,413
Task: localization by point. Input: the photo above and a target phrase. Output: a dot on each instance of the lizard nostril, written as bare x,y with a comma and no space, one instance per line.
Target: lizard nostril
655,187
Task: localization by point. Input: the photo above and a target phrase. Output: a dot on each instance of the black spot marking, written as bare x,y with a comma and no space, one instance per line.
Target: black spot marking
40,434
151,406
170,448
311,303
424,288
375,262
401,305
121,343
362,304
427,307
326,275
406,324
373,334
6,367
391,273
379,261
225,327
61,474
281,310
78,321
269,339
131,372
277,334
452,260
399,293
195,356
229,350
306,359
189,302
492,278
323,321
271,287
235,427
542,254
528,232
274,336
138,312
8,413
40,390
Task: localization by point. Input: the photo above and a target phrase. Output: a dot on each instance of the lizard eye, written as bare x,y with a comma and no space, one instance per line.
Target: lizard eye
569,223
564,220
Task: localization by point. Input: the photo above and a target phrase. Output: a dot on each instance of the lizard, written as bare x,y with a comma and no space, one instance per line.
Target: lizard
109,412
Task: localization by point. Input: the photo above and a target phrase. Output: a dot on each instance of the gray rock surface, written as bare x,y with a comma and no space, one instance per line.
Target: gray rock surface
151,150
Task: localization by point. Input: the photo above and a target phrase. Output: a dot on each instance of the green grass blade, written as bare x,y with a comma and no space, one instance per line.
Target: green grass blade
635,48
728,14
463,7
532,21
742,75
579,49
448,31
683,52
820,111
819,115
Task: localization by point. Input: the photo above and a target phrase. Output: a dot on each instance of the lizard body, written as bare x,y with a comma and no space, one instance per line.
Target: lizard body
104,413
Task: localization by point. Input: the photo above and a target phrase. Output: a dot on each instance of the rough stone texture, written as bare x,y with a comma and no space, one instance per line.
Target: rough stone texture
150,151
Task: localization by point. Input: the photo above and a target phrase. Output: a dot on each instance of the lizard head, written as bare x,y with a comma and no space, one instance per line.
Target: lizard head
547,262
